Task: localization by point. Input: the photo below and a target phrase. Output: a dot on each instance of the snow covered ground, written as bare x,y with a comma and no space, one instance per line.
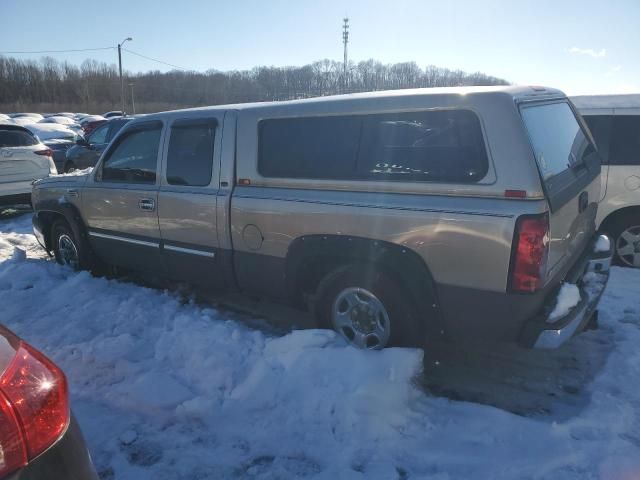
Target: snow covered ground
167,389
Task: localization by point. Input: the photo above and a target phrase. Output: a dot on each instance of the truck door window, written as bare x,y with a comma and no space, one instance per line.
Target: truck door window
133,159
190,155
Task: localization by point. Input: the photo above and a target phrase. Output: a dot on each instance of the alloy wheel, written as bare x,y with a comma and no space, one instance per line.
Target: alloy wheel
628,246
68,251
361,318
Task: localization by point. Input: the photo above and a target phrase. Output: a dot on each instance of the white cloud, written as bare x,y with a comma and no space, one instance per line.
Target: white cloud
589,51
613,70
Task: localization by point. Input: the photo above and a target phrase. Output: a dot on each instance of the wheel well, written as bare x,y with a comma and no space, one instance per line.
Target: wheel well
615,216
311,258
48,217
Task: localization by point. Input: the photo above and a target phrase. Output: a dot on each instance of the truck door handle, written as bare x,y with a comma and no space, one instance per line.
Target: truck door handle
147,204
72,192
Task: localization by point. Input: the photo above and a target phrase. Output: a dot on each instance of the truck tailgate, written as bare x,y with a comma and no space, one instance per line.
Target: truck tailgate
569,167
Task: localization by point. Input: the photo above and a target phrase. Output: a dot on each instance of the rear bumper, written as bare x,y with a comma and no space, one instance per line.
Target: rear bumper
68,458
590,274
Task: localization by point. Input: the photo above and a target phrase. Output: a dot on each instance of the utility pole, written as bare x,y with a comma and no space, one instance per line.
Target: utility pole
120,67
133,102
345,41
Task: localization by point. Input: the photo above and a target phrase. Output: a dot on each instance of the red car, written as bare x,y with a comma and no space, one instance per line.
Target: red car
90,123
39,438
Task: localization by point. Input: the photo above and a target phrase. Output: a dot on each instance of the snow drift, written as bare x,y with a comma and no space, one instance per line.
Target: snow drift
167,389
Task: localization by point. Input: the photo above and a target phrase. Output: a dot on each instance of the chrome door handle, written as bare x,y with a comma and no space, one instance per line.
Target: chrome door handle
147,204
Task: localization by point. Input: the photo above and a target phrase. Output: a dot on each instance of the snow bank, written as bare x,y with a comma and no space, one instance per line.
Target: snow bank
167,389
152,363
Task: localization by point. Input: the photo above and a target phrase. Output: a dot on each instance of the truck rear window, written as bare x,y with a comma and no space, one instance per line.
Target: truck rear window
565,156
420,146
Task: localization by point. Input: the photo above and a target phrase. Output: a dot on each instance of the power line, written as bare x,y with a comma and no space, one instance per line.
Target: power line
59,51
154,59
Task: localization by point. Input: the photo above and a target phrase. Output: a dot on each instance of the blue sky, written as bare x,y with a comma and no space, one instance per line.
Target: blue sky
579,46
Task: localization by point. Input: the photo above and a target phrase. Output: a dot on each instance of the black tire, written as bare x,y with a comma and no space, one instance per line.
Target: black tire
64,235
69,167
626,222
406,329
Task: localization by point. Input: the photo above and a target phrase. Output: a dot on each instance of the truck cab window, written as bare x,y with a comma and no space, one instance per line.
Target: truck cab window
190,156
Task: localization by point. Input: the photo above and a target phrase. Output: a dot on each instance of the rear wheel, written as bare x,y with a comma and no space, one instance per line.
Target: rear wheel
69,249
368,308
625,234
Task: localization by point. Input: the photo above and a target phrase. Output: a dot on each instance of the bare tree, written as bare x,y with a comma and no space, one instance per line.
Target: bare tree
50,85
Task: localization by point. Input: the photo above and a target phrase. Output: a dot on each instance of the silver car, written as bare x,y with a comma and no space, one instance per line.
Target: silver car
397,218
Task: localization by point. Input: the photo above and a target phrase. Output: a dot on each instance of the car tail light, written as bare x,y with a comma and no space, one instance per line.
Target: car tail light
34,408
45,153
13,449
531,250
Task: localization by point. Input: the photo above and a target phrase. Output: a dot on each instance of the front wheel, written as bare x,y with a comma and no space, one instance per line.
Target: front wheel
68,248
368,309
625,234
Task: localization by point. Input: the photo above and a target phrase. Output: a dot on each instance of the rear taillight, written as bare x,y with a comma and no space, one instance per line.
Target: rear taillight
531,250
45,153
34,408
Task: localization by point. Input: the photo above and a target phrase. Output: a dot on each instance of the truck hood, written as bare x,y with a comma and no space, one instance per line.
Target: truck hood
77,178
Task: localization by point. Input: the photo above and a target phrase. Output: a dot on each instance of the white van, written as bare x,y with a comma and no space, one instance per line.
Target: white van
614,121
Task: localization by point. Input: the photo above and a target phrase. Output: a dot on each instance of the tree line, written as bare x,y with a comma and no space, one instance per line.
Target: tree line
49,85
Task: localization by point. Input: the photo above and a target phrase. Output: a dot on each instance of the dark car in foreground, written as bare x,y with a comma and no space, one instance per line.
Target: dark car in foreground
86,152
59,149
39,437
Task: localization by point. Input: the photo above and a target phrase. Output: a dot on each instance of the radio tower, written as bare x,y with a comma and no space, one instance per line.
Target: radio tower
345,41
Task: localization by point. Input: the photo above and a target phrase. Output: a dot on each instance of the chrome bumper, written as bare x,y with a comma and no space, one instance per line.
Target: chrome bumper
591,278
